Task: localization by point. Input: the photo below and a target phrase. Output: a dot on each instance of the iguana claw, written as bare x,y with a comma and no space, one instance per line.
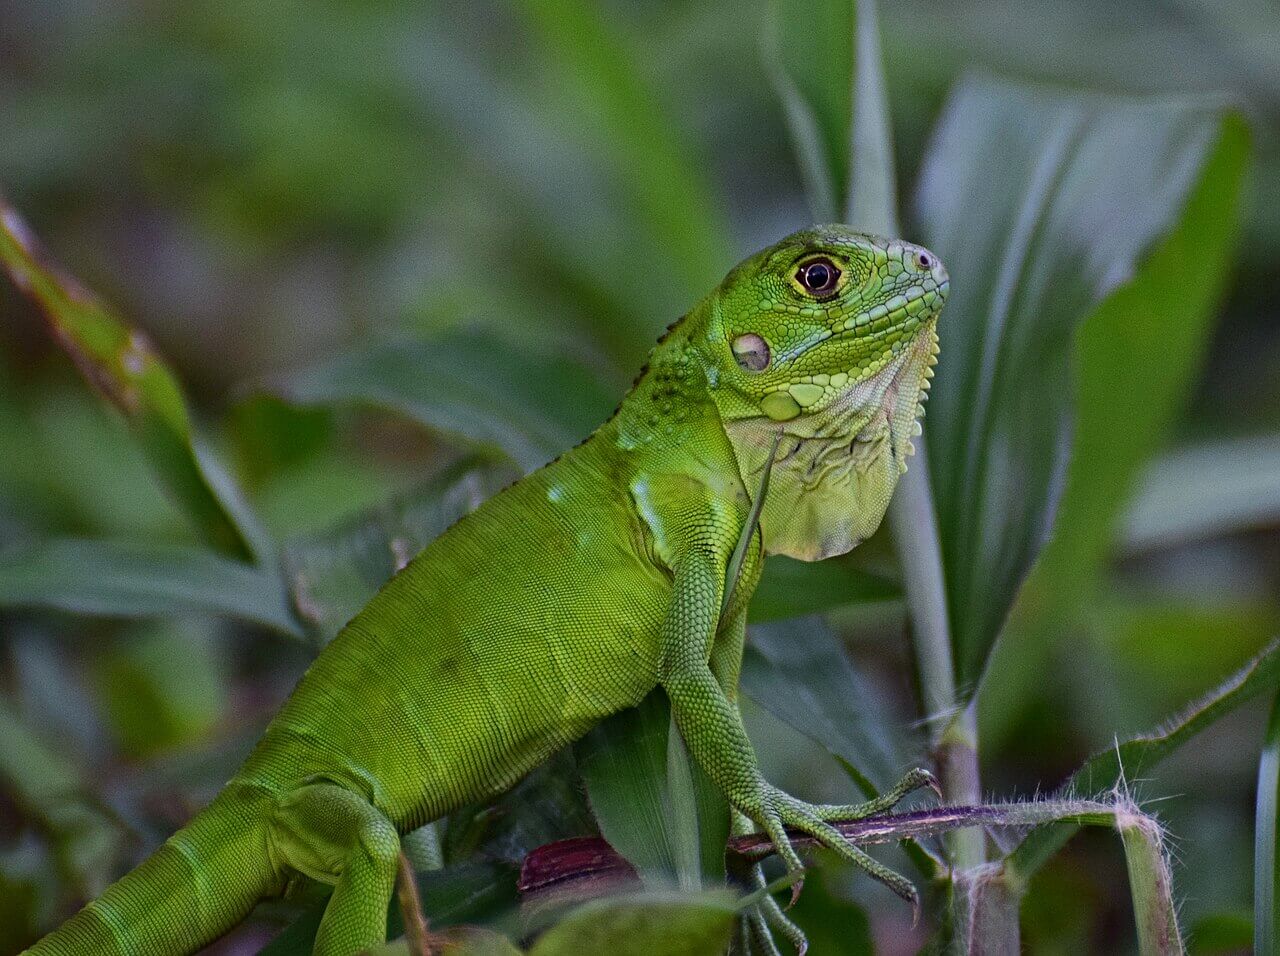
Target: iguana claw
816,820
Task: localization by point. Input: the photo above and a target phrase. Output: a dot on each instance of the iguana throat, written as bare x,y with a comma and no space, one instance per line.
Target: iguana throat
836,469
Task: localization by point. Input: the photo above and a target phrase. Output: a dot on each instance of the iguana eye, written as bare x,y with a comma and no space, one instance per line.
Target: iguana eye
818,276
751,351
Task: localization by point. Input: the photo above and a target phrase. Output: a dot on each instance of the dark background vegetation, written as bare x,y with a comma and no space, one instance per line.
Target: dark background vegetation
267,186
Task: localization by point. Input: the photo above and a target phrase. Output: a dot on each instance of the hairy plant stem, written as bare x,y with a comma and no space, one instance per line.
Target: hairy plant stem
955,734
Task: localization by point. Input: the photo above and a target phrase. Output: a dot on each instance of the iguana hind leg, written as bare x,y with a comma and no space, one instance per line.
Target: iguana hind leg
335,835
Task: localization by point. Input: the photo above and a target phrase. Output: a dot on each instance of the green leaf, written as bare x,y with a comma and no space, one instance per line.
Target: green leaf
121,364
654,805
798,671
1208,490
131,579
644,924
333,575
474,388
1061,239
1134,757
1266,830
790,588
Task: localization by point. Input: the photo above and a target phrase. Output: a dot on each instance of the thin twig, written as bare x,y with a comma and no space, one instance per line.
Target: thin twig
415,921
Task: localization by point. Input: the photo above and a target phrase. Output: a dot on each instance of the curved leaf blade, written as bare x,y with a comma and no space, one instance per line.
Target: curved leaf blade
472,387
1129,759
1206,490
790,588
798,671
133,579
121,364
1088,186
654,805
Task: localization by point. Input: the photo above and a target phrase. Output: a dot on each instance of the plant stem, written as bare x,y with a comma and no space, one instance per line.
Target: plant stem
955,741
871,205
415,922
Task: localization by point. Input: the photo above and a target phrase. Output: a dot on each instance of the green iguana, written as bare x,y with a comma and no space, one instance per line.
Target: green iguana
570,596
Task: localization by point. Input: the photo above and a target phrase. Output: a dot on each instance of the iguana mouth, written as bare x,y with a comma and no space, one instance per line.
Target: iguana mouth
876,325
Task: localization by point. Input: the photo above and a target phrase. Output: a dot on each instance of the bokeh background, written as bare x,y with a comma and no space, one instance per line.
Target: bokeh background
263,186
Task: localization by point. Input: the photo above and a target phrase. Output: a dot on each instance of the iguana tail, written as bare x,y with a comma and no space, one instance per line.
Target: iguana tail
204,880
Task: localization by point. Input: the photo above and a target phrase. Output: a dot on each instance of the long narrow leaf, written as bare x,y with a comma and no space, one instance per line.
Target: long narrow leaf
1088,188
131,579
872,203
1207,490
653,803
798,671
121,364
334,574
1133,757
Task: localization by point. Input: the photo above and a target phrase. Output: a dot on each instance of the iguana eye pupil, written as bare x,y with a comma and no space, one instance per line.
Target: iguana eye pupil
751,352
819,276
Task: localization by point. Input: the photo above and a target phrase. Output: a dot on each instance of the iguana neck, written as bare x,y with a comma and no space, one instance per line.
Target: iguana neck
669,401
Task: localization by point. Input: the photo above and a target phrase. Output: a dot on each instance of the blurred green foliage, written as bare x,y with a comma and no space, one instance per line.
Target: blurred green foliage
395,253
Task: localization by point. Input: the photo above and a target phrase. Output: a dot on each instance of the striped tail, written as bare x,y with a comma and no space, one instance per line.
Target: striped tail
203,881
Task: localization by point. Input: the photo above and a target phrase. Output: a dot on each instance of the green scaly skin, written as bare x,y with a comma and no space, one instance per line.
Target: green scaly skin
569,597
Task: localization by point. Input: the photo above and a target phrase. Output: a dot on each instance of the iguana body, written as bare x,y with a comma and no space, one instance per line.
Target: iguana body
569,597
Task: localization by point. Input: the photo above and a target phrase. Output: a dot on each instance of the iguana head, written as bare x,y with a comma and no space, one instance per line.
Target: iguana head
829,336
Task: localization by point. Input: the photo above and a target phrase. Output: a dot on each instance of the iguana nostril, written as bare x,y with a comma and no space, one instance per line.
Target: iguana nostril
751,352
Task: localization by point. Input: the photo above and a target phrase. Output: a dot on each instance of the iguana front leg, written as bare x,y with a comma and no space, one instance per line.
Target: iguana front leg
726,665
713,731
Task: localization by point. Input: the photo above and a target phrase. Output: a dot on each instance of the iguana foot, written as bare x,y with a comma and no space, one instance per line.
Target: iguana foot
767,917
912,781
781,810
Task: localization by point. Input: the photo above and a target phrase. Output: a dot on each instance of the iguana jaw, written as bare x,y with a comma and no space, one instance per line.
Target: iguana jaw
836,469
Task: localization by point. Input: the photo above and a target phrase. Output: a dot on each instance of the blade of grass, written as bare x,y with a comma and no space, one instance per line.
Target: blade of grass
806,131
872,205
475,387
1208,490
873,192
